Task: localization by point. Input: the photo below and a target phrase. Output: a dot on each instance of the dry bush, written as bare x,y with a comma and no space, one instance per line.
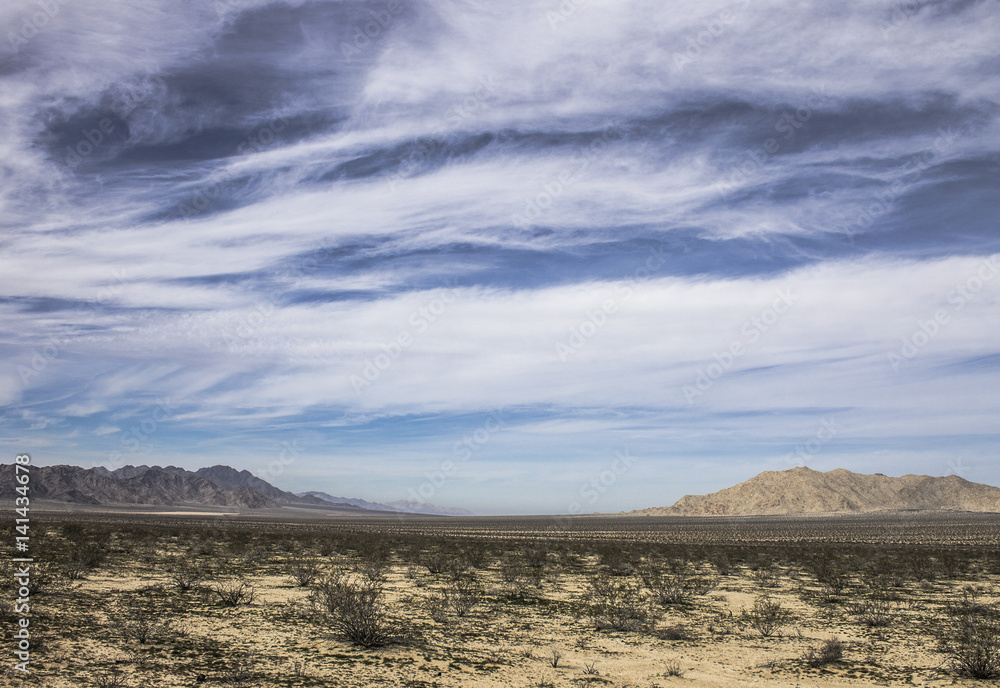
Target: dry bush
673,670
766,576
616,561
112,679
373,560
831,573
477,555
517,579
974,647
829,652
139,624
464,595
437,606
876,611
767,616
241,671
82,557
355,609
722,564
675,632
185,572
303,570
233,593
674,583
619,605
436,562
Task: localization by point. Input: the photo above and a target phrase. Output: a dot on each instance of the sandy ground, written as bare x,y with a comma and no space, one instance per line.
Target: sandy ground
503,642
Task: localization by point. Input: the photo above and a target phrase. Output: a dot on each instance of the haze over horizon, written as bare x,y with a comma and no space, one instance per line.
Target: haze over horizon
541,257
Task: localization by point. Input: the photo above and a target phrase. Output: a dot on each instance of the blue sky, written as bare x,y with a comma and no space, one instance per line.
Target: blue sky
523,257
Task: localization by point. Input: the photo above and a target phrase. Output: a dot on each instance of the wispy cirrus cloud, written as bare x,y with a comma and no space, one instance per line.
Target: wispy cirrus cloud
242,209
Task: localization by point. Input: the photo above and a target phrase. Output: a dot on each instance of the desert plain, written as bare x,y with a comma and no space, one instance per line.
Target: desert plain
123,598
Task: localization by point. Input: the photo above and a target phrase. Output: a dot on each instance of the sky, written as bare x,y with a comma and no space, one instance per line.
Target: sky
526,257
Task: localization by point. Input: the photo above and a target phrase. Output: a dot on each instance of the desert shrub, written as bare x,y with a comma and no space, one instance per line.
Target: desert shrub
204,547
436,562
974,642
674,583
477,554
437,606
240,671
829,652
326,547
464,595
138,624
185,572
675,632
673,670
722,563
767,616
233,593
303,570
831,574
619,605
112,679
766,576
82,557
876,611
616,561
354,608
373,559
45,580
518,579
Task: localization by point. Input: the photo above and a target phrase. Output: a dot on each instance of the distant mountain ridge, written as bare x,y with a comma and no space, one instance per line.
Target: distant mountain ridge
805,491
405,506
174,486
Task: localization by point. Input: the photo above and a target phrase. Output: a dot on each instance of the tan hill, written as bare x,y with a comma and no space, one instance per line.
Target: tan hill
805,491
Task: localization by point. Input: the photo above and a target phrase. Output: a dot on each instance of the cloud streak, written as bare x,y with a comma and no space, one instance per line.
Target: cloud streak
245,208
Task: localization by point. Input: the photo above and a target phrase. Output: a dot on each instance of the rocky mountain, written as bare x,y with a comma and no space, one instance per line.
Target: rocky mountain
151,485
805,491
404,506
174,486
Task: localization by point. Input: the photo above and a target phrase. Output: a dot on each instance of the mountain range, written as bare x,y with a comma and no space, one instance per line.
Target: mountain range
174,486
806,491
405,506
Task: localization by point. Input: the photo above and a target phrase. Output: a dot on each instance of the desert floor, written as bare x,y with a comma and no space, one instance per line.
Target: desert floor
105,581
